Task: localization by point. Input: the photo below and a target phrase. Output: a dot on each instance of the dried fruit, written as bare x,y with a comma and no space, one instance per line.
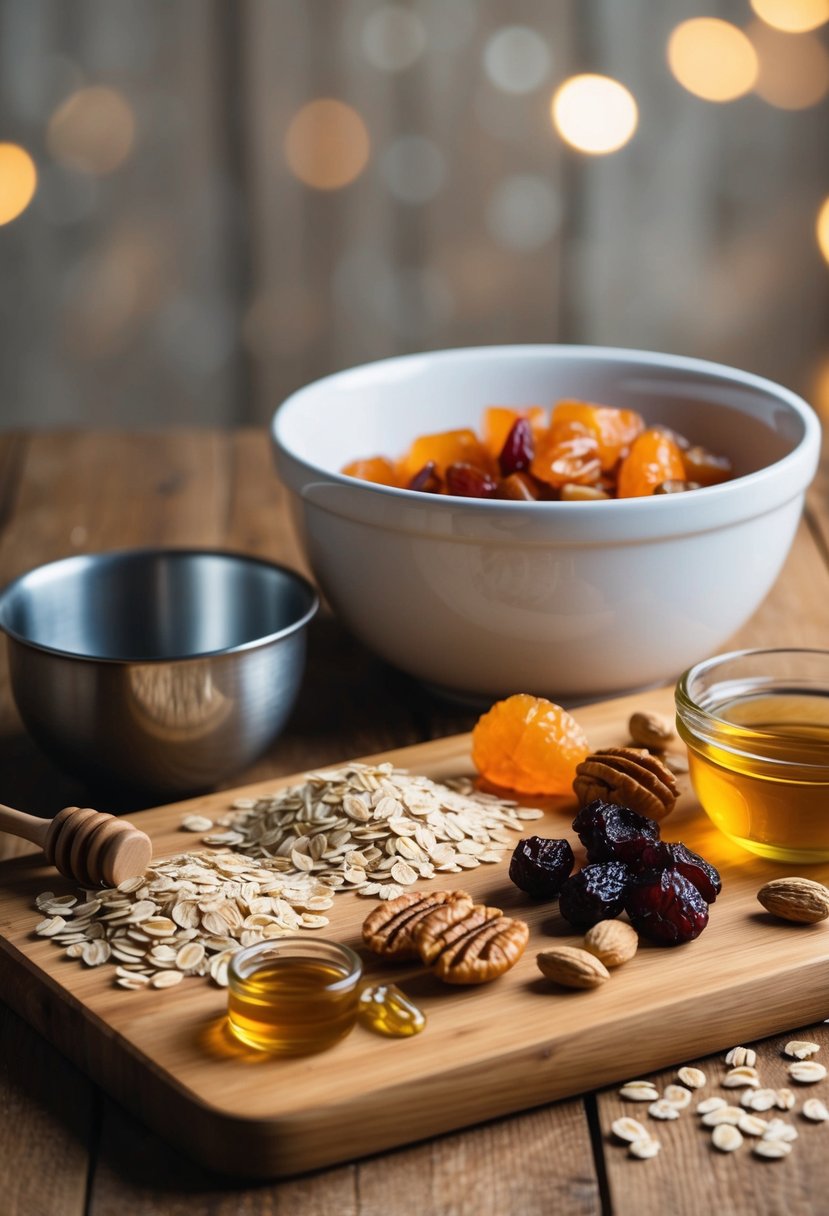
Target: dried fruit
612,941
613,429
650,730
529,744
561,461
499,420
571,967
614,833
539,866
676,487
630,777
596,893
519,487
704,468
445,448
666,908
466,481
697,870
800,900
427,479
516,454
376,469
653,458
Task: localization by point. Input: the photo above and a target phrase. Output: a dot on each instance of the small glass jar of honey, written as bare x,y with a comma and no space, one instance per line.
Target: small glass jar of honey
756,725
293,995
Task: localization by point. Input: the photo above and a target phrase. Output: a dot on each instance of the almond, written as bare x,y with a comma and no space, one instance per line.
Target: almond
612,942
572,967
650,730
800,900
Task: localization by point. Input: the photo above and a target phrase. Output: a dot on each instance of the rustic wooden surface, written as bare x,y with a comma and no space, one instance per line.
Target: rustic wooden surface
66,1150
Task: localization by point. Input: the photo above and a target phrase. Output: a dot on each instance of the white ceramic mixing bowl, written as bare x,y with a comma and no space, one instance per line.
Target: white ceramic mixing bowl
567,599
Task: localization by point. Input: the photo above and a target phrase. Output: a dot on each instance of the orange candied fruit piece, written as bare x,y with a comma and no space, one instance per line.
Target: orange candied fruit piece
653,458
528,744
500,419
373,468
614,430
566,455
445,448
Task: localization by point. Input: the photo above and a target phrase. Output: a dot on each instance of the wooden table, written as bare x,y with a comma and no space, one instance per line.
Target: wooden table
66,1149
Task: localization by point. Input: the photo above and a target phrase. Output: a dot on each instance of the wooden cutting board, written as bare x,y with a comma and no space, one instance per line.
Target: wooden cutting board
486,1051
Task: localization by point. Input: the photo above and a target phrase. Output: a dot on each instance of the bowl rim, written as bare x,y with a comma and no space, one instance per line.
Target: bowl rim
628,507
122,556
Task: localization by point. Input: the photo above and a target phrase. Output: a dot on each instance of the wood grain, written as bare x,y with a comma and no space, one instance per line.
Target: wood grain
169,1057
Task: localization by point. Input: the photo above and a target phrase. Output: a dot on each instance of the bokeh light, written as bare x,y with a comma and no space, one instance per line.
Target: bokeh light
393,38
712,59
822,229
413,168
794,71
93,130
516,59
327,145
793,16
523,212
594,114
18,181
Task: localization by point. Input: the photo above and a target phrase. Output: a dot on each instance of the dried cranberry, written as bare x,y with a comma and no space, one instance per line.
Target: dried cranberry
427,479
465,481
596,893
518,449
611,832
539,866
666,908
697,870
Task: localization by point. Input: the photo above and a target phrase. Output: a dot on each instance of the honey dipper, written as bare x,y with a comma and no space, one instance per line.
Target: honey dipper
88,846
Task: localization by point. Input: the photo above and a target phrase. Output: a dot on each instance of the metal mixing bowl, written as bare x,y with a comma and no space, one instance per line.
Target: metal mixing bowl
168,670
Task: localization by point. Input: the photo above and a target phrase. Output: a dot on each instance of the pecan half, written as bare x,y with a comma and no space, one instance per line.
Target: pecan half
389,927
630,777
478,948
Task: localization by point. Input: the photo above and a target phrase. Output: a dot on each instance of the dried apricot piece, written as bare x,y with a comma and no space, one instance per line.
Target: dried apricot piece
445,448
653,459
558,461
528,744
500,419
613,429
374,468
706,468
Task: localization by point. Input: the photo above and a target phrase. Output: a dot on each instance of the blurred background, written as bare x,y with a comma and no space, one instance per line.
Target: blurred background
206,203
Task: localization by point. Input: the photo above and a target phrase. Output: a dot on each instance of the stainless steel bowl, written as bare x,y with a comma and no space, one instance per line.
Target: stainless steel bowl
168,670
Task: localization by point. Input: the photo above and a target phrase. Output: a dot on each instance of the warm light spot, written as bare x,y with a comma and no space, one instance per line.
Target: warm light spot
712,59
794,71
93,131
822,229
793,16
18,181
516,59
594,113
327,144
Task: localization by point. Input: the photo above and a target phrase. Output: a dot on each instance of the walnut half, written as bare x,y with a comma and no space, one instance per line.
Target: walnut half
472,950
388,929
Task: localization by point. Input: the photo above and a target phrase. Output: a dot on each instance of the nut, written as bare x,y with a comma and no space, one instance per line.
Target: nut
629,776
388,928
572,968
800,900
473,949
612,941
650,730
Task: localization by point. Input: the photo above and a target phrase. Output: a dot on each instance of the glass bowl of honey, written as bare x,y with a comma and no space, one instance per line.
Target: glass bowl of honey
293,996
756,725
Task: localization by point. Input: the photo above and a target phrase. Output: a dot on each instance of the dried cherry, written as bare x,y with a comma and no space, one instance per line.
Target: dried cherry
428,480
595,893
610,832
466,481
518,449
539,866
666,908
697,870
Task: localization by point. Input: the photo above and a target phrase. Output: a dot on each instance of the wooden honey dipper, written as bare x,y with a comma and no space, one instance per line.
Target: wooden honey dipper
85,845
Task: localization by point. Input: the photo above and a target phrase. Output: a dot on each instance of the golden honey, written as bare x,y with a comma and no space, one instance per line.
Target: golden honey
293,996
386,1010
756,725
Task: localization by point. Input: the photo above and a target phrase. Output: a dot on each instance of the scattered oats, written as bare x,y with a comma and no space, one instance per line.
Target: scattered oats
692,1078
529,813
196,823
75,949
741,1077
752,1125
132,982
190,956
639,1091
644,1148
806,1072
723,1114
629,1129
403,873
759,1099
224,840
678,1096
96,952
738,1056
815,1110
726,1137
663,1109
771,1148
707,1105
800,1049
167,979
779,1129
50,927
786,1099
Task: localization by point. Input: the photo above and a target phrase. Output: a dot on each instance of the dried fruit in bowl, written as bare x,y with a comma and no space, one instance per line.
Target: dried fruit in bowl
528,744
